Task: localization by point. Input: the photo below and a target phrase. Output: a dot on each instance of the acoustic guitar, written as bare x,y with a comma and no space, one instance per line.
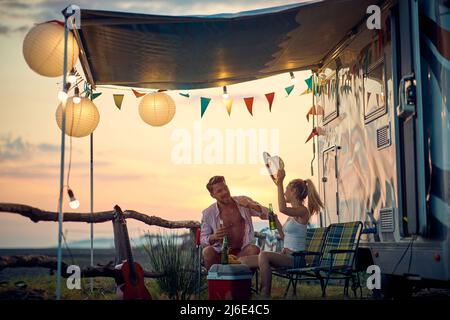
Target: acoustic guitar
130,283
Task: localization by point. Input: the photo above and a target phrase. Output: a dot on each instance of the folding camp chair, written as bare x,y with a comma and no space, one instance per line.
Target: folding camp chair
315,239
338,258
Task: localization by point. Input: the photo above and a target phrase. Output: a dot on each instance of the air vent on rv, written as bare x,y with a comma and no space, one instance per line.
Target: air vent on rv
387,220
384,137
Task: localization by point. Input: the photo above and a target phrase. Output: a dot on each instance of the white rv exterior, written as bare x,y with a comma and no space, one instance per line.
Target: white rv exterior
384,139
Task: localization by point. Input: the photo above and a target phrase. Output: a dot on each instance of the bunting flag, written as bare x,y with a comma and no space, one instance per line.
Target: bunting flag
307,91
249,104
204,104
316,131
96,95
309,83
228,104
315,111
137,93
186,95
270,97
312,134
289,89
118,99
162,90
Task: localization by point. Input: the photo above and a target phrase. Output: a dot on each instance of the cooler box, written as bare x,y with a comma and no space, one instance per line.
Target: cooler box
229,282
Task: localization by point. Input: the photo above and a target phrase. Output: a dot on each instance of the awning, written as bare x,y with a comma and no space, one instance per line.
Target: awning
191,52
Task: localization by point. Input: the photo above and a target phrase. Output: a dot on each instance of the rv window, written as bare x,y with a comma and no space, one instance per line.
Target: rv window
374,91
328,97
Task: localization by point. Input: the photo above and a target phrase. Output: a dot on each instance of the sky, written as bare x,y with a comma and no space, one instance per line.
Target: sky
135,165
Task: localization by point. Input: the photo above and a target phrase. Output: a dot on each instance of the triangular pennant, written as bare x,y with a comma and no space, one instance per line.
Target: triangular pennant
312,134
289,89
96,95
204,104
137,93
307,91
118,99
249,104
309,82
186,95
270,97
315,110
228,104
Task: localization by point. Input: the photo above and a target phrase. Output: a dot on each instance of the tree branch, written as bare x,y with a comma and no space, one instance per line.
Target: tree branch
33,261
36,215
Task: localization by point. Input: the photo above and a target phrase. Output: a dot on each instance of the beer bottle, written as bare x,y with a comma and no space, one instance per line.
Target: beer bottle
224,255
272,222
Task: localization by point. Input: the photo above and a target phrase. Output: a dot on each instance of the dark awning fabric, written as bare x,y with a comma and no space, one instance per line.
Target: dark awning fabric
191,52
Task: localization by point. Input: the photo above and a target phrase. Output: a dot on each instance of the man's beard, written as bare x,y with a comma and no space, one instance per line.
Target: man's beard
226,201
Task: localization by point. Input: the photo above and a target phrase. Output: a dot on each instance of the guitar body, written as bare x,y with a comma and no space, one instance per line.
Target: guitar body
133,289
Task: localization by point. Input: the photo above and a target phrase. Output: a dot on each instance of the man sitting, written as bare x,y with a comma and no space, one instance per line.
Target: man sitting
229,216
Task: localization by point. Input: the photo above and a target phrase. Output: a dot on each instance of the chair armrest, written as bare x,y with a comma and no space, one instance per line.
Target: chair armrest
306,253
337,251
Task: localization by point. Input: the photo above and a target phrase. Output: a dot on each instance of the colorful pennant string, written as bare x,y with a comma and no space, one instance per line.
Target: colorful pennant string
228,104
118,99
137,93
307,91
204,105
289,89
186,95
270,97
96,95
316,131
309,83
315,111
249,103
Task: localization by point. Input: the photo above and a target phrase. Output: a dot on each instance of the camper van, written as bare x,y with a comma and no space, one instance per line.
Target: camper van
384,142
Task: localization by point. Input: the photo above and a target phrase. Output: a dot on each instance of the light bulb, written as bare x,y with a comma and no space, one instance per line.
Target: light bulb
74,203
293,80
62,96
225,94
76,99
72,78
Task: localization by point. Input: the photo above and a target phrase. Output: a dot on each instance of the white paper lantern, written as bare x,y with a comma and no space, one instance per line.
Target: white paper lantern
43,49
157,109
81,118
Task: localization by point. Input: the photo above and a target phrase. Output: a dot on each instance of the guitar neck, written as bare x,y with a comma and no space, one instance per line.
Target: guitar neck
128,246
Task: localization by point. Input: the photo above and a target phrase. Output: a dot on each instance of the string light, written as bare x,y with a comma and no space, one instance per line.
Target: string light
76,99
225,94
72,78
293,80
74,203
62,95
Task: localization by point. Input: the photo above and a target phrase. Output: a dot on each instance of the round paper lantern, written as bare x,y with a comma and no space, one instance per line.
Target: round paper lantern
43,49
81,118
157,109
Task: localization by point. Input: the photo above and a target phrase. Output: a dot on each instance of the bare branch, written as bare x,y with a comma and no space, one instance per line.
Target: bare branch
36,215
33,261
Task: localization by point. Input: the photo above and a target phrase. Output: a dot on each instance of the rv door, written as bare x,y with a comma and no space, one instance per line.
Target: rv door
409,119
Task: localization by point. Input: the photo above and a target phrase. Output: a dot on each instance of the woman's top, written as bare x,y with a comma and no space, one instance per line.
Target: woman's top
294,235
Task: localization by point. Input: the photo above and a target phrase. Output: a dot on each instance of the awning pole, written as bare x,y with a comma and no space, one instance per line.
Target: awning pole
61,172
92,203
